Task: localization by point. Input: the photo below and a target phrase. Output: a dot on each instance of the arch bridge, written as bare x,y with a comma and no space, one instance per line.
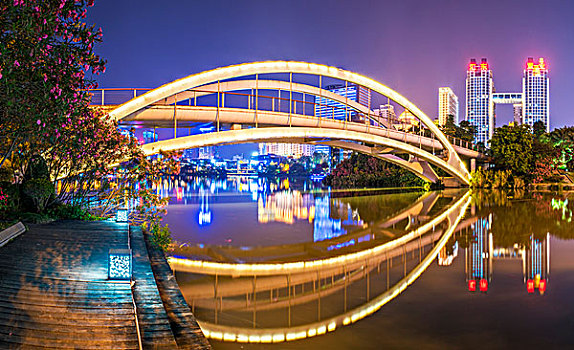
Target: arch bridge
296,102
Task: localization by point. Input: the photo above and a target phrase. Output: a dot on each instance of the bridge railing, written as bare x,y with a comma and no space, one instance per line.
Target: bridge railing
257,101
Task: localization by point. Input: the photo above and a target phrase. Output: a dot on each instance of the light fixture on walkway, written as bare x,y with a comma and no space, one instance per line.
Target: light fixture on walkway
120,264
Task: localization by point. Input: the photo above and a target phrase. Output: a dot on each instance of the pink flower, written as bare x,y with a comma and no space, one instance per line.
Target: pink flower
16,63
38,122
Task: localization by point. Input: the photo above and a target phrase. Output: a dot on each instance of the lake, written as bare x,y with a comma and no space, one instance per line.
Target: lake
285,264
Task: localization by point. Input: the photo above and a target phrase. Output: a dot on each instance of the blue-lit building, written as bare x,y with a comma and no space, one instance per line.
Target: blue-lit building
478,255
479,102
325,227
327,108
536,264
535,93
149,136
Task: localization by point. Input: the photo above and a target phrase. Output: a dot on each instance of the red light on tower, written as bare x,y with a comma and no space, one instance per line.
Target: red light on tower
542,287
530,286
483,285
472,285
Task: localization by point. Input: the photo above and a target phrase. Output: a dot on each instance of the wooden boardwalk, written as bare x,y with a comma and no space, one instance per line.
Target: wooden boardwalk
54,292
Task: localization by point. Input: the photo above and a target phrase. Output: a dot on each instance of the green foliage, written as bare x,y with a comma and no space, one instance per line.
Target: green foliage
46,48
160,235
538,129
518,183
514,221
563,141
40,191
37,169
511,148
11,194
464,131
496,179
36,218
69,212
361,171
501,179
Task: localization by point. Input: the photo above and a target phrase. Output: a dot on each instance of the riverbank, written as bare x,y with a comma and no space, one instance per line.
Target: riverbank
55,291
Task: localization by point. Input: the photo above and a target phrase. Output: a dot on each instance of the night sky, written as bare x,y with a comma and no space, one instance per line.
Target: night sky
411,46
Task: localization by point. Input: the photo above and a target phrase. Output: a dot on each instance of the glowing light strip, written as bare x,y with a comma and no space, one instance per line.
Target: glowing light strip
260,134
245,69
277,335
212,268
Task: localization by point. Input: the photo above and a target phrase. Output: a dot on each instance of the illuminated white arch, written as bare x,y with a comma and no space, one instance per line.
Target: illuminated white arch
292,134
246,69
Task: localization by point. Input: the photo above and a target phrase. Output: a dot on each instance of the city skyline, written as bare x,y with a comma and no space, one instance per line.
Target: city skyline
401,57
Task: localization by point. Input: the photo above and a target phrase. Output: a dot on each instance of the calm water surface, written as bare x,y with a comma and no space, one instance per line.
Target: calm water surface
373,269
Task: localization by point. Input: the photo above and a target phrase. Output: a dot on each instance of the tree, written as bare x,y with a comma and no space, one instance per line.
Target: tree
538,128
518,150
464,131
563,140
511,149
45,52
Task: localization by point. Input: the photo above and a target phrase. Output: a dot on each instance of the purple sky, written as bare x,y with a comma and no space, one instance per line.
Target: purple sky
412,46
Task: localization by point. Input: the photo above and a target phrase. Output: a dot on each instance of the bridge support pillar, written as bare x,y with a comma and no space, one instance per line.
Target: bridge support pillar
472,164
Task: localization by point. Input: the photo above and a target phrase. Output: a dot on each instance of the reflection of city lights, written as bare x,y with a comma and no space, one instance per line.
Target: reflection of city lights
285,206
276,335
204,217
536,264
445,259
478,256
558,204
324,226
341,245
209,267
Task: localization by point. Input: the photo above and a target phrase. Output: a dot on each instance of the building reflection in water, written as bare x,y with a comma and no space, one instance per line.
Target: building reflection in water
478,255
204,216
270,301
536,264
288,206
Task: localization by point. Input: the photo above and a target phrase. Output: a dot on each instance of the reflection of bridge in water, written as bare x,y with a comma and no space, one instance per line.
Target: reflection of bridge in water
363,237
264,287
287,102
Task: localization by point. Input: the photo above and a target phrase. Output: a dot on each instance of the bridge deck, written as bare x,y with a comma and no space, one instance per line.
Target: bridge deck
54,291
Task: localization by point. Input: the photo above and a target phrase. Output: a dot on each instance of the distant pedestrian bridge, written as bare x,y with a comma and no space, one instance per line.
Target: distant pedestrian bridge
295,102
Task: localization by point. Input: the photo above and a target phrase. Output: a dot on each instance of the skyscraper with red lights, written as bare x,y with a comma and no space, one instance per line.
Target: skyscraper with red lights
535,93
479,103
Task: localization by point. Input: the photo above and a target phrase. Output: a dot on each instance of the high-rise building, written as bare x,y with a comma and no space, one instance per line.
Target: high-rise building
517,111
447,105
479,103
294,150
535,93
327,108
